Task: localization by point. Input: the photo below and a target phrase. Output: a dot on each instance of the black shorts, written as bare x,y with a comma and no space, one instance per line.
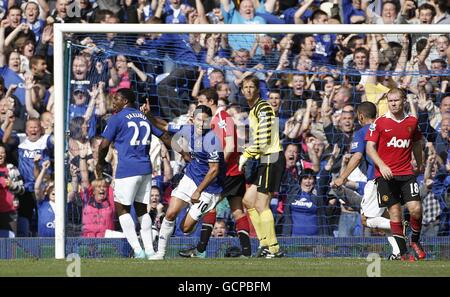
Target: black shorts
269,173
400,189
234,186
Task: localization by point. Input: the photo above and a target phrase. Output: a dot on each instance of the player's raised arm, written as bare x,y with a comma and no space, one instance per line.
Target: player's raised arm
157,122
102,152
371,150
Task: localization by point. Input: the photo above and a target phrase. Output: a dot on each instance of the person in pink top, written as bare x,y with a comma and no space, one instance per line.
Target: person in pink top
10,184
98,202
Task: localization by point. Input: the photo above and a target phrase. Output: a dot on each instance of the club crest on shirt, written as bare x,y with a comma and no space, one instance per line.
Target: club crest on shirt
222,124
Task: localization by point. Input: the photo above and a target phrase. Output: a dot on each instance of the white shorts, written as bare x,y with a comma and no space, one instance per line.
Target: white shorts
184,191
133,189
369,202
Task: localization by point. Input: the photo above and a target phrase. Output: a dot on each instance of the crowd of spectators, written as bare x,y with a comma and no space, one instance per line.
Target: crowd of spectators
313,82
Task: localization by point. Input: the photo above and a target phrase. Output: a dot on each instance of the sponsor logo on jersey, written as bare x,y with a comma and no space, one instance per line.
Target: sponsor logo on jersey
399,143
303,202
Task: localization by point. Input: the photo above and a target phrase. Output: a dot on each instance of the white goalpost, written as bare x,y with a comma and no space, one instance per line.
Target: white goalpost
59,69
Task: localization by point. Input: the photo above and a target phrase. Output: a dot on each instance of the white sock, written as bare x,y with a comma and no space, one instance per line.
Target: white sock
129,229
164,234
146,233
393,243
379,222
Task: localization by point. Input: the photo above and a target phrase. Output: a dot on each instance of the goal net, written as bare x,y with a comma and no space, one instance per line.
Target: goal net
314,77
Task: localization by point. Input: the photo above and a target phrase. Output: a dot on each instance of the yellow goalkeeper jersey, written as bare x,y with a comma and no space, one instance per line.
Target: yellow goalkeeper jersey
265,138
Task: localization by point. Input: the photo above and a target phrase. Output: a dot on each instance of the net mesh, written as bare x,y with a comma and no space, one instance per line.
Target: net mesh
330,73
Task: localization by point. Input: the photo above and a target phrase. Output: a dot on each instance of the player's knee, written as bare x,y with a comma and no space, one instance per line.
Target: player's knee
416,212
170,216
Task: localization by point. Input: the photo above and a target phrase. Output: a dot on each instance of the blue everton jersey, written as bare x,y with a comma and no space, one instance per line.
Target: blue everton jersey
27,151
304,215
131,133
12,78
325,48
359,146
46,219
205,149
175,45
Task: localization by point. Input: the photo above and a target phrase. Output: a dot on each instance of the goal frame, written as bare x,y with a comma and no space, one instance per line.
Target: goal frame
59,69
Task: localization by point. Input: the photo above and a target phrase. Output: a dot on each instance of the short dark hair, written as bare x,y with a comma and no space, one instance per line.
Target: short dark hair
304,36
127,94
217,71
203,109
441,61
352,42
14,7
100,15
396,5
75,129
275,91
361,50
318,13
34,59
156,188
210,94
427,6
308,172
368,109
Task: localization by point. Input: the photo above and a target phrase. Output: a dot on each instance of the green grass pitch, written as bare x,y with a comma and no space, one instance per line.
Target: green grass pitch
238,267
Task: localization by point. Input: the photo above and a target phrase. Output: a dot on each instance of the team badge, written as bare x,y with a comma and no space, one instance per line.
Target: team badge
372,128
385,198
222,124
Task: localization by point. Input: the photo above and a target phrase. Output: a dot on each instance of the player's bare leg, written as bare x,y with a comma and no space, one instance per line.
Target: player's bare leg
415,222
129,229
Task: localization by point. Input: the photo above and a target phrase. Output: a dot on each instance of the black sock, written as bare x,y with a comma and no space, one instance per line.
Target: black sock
401,242
244,239
415,235
204,237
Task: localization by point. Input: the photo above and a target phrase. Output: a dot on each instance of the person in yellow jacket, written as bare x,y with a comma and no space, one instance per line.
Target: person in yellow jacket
264,146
